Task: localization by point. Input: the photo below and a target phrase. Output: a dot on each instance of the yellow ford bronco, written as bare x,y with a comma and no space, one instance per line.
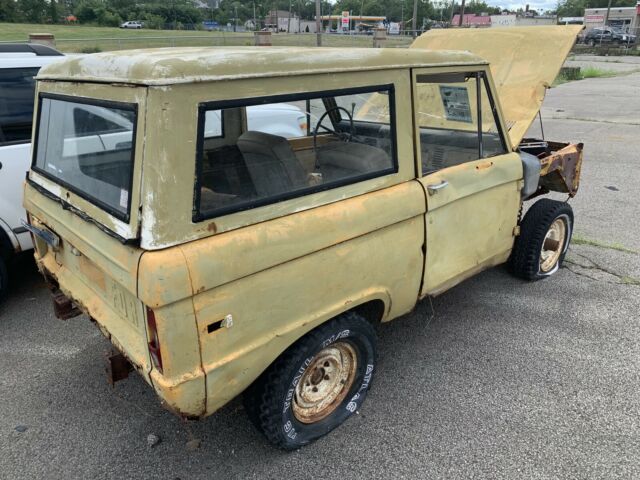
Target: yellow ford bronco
223,253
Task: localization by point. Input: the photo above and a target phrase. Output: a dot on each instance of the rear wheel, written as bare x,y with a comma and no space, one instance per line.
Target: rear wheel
316,384
545,233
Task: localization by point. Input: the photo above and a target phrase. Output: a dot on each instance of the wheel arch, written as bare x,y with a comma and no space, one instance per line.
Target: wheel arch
374,306
8,242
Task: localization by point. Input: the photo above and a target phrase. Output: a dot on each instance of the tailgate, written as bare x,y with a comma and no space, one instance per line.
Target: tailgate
96,271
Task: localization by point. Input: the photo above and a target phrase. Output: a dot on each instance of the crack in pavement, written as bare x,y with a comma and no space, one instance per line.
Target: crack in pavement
594,120
623,279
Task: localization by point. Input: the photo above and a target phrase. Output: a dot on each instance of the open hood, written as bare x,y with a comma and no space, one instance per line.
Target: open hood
524,62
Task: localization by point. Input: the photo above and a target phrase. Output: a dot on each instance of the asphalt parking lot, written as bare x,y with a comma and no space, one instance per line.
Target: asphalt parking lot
496,378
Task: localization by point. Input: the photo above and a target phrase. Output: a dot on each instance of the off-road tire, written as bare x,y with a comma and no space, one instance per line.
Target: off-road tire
269,401
525,257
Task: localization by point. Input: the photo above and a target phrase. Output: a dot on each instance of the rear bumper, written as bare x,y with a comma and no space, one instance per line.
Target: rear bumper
182,395
123,332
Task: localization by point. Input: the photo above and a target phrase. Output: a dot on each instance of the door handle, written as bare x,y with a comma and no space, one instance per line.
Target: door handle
433,189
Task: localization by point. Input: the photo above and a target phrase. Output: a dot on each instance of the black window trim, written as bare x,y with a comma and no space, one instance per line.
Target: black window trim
197,216
124,217
494,111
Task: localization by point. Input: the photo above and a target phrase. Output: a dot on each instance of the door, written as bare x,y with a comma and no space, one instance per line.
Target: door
471,178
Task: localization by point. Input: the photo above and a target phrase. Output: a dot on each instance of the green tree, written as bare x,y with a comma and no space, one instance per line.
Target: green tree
9,11
54,13
33,11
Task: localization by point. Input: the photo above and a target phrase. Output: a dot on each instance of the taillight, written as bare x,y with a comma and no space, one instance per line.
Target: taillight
154,342
302,123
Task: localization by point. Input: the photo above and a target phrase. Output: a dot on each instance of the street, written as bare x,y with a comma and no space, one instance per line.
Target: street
497,378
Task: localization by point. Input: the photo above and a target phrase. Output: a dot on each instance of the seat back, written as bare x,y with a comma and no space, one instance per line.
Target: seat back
272,164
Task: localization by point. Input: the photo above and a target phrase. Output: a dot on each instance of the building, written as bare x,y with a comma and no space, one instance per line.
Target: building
334,22
513,20
282,21
625,18
472,20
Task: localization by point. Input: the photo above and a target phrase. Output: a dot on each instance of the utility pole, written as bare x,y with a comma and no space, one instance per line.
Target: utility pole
235,17
462,14
289,19
606,18
318,25
415,17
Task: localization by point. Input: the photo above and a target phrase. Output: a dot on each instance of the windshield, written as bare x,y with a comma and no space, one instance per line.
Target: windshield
88,148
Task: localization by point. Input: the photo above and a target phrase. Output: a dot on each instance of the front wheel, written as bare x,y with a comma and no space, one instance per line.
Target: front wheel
316,384
545,233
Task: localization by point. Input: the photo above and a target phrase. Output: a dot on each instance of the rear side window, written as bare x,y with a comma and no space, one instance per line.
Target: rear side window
277,148
17,87
87,146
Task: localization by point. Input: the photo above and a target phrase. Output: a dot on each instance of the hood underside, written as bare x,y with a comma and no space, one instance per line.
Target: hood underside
524,62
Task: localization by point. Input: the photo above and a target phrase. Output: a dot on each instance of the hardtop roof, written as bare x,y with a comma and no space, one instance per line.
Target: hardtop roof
167,66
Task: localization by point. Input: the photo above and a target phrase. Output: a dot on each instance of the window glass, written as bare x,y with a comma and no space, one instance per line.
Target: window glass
450,127
17,87
213,124
297,145
88,148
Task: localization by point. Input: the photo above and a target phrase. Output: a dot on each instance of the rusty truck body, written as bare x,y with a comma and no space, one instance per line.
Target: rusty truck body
222,259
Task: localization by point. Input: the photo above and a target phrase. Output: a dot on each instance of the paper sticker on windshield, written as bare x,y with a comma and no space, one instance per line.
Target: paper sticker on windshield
124,198
455,101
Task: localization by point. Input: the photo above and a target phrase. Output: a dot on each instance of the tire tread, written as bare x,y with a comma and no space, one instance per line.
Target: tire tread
525,258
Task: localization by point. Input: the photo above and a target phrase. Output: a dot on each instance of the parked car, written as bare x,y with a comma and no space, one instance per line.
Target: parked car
19,64
245,261
132,24
597,36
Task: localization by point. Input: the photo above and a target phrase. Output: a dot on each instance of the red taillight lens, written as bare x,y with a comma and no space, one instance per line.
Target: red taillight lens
154,342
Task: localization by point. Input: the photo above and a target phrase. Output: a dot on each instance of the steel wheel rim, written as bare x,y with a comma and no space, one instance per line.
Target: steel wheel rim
553,245
325,382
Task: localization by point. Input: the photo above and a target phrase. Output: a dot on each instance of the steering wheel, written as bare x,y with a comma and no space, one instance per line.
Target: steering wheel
343,136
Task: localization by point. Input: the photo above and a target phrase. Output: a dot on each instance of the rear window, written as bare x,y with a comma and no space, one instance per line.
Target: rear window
87,146
17,87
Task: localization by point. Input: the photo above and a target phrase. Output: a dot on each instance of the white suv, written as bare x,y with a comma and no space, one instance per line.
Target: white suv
19,64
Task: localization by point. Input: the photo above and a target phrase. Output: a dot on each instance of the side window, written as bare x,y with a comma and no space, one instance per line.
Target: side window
213,125
456,119
91,120
17,89
293,145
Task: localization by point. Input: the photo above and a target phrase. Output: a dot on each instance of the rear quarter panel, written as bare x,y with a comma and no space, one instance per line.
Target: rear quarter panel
280,279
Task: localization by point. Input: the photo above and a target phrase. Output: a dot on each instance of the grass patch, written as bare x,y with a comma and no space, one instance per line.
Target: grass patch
594,72
587,72
87,39
578,239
